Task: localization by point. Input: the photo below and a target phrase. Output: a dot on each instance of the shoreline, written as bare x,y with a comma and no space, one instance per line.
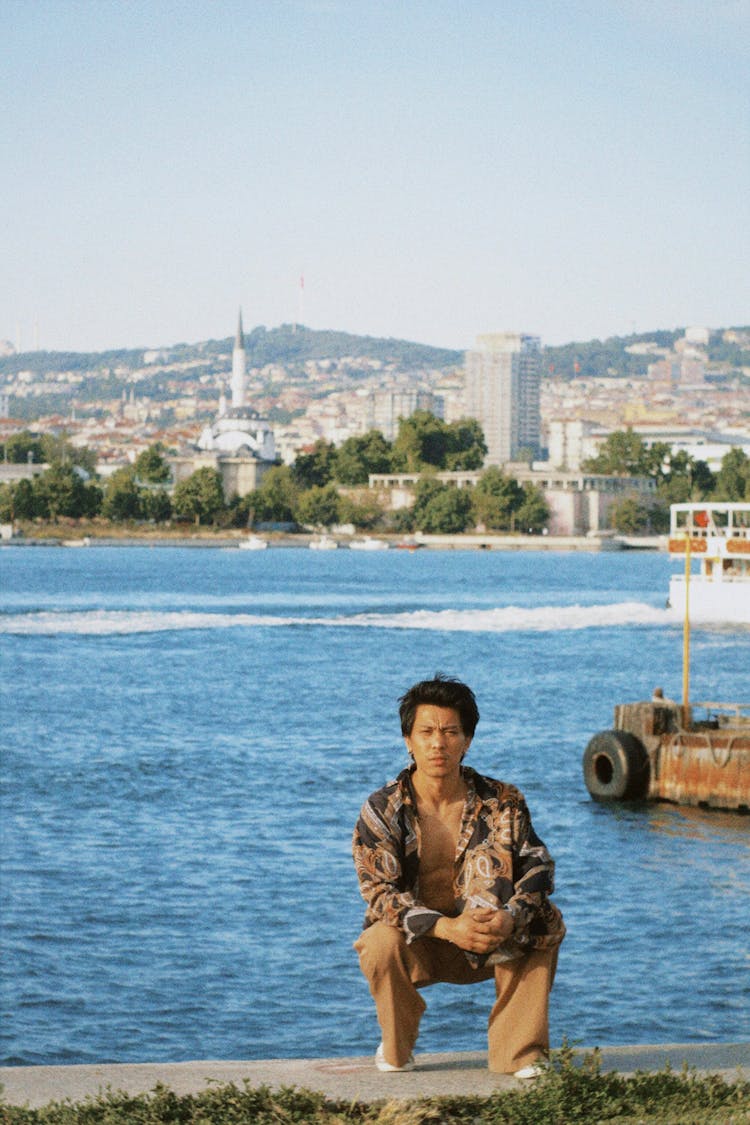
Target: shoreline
467,541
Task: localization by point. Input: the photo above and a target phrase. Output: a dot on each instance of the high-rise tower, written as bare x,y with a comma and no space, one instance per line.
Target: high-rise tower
502,393
239,380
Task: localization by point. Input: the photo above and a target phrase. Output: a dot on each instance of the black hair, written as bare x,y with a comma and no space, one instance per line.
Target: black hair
440,691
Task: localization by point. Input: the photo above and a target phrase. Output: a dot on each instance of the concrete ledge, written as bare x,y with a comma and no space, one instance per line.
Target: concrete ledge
345,1078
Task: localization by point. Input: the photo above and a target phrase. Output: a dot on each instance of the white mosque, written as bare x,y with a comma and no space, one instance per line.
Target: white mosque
239,430
239,443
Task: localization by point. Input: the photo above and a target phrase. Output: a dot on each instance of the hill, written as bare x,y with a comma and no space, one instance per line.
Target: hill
621,357
292,345
286,345
45,383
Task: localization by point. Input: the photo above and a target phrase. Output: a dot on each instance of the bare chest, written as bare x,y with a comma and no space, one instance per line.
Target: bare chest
437,854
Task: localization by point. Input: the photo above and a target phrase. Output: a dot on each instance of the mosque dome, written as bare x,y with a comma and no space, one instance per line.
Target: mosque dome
240,431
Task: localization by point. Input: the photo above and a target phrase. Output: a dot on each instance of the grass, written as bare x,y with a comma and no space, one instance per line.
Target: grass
572,1091
100,528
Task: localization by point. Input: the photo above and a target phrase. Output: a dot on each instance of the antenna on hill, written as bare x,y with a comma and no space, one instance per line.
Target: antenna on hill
300,296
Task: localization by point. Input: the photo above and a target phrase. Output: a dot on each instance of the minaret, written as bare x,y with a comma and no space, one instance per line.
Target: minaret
238,383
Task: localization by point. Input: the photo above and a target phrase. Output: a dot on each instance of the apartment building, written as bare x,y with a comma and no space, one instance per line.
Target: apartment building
383,408
502,392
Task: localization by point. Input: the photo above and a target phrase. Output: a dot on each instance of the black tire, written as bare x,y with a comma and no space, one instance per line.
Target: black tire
616,767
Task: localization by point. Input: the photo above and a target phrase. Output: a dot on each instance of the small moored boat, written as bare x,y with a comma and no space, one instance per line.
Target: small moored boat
368,544
253,543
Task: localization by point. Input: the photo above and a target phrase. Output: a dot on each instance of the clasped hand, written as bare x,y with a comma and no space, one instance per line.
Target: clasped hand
477,930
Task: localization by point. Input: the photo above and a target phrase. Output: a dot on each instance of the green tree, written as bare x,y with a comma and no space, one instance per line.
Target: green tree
497,499
421,441
624,453
18,501
316,468
533,512
703,479
62,491
684,479
200,497
402,521
633,515
150,466
57,449
733,478
466,448
275,501
122,496
156,504
23,448
441,509
25,500
361,455
627,515
365,512
7,513
319,507
425,441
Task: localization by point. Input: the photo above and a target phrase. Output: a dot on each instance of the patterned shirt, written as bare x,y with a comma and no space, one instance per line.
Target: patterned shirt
500,863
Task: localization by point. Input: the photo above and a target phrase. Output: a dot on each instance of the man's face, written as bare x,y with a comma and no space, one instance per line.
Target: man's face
437,741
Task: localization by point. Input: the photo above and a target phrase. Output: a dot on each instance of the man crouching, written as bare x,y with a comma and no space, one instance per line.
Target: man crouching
456,883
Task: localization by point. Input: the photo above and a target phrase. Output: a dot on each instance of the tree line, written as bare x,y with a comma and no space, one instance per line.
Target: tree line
327,484
679,479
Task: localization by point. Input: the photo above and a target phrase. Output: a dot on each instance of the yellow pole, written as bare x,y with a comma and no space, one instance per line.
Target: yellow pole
686,628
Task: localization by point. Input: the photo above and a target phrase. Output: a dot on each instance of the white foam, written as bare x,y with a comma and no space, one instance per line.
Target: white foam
510,619
507,619
112,622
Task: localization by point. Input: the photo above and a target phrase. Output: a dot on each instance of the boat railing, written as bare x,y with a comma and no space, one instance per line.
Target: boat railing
715,531
725,714
729,521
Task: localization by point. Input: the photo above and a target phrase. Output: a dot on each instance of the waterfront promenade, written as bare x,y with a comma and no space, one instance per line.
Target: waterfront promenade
449,1074
465,542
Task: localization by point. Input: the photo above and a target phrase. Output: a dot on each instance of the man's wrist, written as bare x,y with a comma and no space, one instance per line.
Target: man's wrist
442,928
509,921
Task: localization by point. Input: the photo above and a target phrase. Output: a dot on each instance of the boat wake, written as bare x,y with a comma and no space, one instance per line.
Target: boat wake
507,619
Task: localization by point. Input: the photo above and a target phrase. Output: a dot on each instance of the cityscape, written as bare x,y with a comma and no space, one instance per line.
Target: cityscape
212,407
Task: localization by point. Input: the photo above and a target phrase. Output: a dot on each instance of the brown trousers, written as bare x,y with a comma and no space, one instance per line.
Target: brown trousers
518,1031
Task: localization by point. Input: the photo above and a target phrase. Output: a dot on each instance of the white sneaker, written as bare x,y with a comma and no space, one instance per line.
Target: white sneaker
386,1067
533,1070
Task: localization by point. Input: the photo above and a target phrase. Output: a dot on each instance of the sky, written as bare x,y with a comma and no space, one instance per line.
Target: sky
429,170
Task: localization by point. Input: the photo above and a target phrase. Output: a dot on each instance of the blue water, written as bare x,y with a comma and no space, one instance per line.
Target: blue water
188,735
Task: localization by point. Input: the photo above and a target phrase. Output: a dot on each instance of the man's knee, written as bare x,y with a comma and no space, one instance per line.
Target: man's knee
378,946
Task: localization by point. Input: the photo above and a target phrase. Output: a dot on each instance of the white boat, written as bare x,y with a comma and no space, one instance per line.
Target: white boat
323,543
368,544
717,534
252,543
